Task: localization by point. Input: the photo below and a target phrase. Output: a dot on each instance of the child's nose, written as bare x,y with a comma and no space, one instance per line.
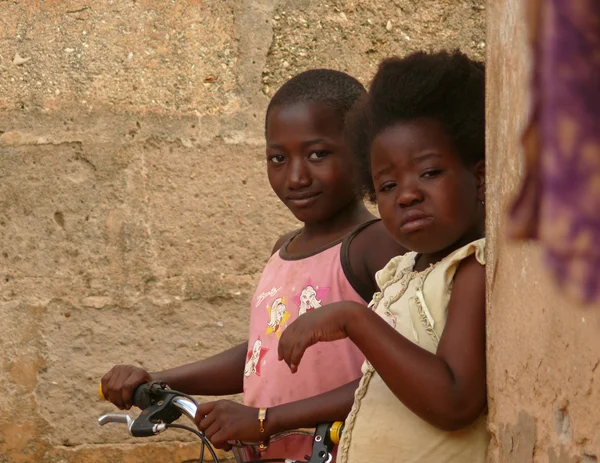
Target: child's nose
408,194
299,175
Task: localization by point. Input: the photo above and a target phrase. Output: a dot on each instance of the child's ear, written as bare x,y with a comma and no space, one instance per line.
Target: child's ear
479,170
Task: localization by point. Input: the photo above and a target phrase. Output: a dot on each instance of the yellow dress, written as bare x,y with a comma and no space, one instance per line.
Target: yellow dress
380,429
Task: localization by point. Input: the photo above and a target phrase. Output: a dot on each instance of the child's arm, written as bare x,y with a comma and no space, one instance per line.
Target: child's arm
224,420
221,374
447,389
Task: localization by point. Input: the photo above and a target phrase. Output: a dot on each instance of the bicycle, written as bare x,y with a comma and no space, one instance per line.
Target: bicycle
161,406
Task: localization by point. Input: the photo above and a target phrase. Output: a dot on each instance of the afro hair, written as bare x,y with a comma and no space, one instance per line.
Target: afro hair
446,87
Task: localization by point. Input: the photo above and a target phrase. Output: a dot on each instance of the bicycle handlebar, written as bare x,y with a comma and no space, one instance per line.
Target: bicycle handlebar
161,406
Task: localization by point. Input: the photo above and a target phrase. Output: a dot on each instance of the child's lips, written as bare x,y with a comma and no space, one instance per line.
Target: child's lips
414,221
303,200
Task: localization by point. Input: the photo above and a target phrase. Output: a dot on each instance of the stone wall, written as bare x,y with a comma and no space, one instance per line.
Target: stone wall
135,214
543,350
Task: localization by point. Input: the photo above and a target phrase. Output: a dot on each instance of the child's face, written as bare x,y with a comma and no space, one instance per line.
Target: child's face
428,199
308,161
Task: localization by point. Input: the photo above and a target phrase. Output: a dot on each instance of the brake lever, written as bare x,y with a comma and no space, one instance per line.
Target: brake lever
146,429
159,408
116,418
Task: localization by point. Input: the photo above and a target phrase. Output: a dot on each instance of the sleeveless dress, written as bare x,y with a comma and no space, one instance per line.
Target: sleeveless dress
380,428
290,286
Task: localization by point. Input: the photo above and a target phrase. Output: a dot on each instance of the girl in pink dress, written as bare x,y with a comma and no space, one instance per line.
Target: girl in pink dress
332,257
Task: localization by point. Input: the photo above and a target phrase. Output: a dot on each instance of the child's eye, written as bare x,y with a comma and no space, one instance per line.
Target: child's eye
276,158
386,187
316,155
432,173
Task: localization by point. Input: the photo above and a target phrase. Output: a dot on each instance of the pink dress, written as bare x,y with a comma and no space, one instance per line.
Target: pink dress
291,286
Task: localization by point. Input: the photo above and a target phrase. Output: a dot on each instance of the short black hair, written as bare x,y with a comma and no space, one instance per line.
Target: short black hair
335,89
448,87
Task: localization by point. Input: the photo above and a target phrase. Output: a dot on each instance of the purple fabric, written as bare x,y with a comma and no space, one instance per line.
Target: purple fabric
559,203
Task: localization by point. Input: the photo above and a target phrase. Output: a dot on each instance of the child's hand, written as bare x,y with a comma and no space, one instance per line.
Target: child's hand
121,381
223,421
324,324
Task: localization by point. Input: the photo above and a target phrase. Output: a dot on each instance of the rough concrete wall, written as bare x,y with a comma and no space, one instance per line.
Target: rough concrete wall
135,215
544,351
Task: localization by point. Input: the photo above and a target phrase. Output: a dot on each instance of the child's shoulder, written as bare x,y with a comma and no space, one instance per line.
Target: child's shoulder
367,251
446,268
372,247
474,248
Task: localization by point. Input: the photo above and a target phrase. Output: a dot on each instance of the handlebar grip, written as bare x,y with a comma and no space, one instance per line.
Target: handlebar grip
141,396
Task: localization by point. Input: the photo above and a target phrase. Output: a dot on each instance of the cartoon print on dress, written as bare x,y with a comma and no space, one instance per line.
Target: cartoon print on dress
310,298
254,359
278,315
